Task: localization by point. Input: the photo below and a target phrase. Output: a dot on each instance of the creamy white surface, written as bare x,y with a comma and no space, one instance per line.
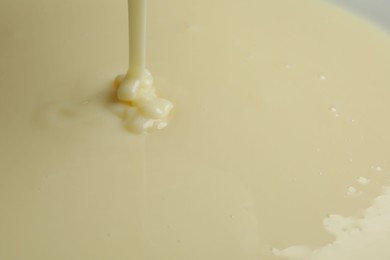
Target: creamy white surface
281,107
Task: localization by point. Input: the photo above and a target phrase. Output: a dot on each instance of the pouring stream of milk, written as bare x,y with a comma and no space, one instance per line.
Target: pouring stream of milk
142,111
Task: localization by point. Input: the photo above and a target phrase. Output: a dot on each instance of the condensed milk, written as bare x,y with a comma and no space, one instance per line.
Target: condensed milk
278,148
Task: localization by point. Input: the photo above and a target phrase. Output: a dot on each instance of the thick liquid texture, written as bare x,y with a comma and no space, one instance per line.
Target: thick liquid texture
279,147
138,104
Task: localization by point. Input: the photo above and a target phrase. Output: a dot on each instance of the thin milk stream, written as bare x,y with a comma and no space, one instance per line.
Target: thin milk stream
278,148
141,110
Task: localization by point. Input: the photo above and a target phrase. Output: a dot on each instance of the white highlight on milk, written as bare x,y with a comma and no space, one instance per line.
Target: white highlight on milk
339,225
142,110
355,238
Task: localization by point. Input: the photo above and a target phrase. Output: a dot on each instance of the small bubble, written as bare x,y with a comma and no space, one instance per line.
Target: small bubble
322,77
377,168
334,111
352,191
232,217
321,173
288,66
363,180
